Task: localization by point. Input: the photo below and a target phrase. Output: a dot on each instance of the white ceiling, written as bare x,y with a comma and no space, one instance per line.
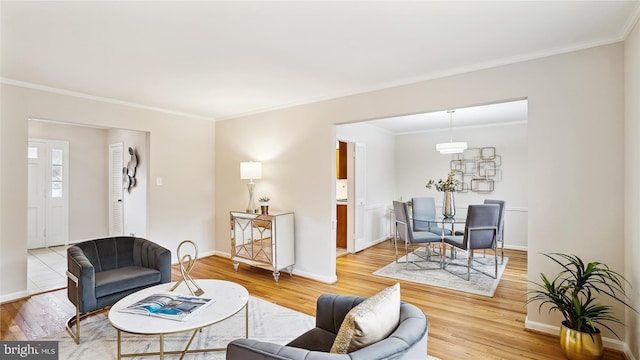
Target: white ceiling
224,59
484,115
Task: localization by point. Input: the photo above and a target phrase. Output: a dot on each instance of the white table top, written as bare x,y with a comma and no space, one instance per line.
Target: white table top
229,299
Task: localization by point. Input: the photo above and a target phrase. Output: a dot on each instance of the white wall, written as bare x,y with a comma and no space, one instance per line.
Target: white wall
135,201
575,150
88,176
417,161
181,151
632,189
297,151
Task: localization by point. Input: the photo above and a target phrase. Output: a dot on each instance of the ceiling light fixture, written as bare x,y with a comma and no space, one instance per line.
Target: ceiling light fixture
451,147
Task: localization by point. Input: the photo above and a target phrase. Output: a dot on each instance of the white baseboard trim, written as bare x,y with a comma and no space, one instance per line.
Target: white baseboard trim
14,296
608,343
373,243
516,247
627,351
222,254
208,253
312,276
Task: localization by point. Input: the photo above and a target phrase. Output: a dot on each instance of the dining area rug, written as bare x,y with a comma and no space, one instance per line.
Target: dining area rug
454,277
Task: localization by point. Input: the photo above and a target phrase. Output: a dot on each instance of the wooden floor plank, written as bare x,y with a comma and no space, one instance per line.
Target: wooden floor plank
461,326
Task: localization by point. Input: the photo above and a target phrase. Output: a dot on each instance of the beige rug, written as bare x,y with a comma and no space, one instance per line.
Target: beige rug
431,274
267,322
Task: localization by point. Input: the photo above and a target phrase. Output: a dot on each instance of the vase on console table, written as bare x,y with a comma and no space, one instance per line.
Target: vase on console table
448,205
264,207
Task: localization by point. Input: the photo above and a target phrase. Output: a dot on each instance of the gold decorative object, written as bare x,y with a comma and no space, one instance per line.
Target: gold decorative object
579,345
187,262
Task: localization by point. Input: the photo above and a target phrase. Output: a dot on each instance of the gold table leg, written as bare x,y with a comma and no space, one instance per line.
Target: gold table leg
186,350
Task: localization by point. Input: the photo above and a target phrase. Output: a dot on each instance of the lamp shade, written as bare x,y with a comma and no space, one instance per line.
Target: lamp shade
250,170
451,147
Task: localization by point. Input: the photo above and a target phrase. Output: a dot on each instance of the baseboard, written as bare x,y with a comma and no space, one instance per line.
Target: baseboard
627,352
312,276
608,343
516,247
14,296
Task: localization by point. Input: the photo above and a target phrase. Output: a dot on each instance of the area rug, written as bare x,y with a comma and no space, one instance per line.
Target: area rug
431,274
267,322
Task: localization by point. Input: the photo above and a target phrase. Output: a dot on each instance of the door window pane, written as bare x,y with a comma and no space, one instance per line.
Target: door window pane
56,173
56,189
32,152
56,156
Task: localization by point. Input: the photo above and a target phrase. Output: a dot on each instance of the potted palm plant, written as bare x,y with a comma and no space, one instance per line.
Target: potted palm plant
573,292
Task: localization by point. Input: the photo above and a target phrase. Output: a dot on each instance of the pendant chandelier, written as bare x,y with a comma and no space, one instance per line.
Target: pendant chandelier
451,147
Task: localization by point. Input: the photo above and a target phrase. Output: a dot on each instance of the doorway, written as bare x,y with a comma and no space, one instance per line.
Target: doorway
342,196
350,196
88,190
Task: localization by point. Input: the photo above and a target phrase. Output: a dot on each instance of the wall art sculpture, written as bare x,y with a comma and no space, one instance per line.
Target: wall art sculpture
477,169
129,171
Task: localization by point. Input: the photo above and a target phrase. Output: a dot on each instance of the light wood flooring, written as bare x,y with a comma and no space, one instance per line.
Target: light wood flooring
461,326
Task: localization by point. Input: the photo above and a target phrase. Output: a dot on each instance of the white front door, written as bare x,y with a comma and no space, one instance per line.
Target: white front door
48,193
36,195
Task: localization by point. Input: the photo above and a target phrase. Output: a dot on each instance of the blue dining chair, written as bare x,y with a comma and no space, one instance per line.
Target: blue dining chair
425,208
411,238
480,233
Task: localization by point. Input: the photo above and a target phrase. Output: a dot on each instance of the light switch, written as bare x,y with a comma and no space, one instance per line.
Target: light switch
159,180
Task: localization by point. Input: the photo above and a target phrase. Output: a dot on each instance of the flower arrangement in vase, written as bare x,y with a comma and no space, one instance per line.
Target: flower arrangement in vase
264,204
450,184
448,187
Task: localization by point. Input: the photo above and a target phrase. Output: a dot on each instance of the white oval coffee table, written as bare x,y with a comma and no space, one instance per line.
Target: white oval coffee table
229,298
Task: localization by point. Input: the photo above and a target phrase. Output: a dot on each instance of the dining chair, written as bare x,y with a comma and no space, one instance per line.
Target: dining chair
411,238
480,232
500,236
425,208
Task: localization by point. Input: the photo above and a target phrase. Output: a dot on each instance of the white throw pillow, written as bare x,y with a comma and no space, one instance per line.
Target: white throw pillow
370,321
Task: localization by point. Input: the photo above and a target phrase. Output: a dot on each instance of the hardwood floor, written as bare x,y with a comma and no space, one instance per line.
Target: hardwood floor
461,326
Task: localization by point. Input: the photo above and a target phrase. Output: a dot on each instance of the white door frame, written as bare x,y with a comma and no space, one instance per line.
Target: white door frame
56,202
116,191
356,199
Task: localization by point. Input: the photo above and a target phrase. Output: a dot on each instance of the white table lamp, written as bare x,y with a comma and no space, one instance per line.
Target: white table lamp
251,170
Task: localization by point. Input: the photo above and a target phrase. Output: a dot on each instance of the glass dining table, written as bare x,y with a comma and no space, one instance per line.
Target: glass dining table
443,224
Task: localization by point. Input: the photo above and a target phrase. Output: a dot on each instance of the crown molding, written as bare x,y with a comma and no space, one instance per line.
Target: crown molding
54,90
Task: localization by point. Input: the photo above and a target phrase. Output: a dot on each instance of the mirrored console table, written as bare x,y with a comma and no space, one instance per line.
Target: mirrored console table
265,241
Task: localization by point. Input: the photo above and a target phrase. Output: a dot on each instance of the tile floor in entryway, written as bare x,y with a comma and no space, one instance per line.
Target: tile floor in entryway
46,269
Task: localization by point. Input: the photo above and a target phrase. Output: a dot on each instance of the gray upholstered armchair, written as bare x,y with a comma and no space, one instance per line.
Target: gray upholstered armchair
407,341
100,272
